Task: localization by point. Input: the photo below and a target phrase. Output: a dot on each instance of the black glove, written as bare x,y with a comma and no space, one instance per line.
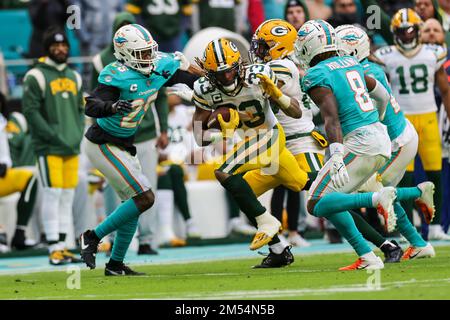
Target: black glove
3,169
121,106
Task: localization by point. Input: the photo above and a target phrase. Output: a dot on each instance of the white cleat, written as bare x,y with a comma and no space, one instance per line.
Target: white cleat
435,232
426,202
192,230
298,241
268,227
366,264
385,207
419,252
240,226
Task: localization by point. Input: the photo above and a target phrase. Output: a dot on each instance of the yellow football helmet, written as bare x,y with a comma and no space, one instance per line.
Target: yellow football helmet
274,39
223,65
405,25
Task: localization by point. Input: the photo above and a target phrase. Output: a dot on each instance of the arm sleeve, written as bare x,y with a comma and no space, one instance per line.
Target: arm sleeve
162,109
381,97
98,105
385,28
182,77
31,104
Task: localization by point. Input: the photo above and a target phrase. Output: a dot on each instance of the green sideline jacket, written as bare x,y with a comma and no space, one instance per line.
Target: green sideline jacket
53,106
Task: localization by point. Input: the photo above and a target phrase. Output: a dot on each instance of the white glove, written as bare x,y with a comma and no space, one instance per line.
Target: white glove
338,171
184,62
182,90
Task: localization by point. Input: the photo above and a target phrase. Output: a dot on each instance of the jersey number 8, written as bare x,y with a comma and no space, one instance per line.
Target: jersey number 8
361,95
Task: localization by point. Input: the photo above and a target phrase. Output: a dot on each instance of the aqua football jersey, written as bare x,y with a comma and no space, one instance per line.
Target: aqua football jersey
394,118
134,86
345,77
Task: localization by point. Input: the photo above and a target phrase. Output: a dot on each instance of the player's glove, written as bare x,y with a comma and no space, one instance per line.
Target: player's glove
182,90
121,106
228,127
3,169
338,171
271,89
184,62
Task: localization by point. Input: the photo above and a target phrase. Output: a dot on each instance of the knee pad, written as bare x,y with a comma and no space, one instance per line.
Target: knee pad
145,200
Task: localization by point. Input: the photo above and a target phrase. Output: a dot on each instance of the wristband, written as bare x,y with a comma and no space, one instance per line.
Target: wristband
284,102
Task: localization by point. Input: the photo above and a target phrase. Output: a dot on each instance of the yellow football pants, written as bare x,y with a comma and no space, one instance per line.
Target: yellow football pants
262,156
16,180
430,149
58,171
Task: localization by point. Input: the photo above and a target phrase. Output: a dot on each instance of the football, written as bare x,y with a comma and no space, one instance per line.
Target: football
213,123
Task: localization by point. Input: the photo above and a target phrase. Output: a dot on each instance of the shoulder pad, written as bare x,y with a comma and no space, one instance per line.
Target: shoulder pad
384,50
439,51
202,88
115,74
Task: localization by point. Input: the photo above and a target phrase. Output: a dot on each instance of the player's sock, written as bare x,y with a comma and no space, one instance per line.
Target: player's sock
368,232
277,202
407,181
406,228
344,223
233,207
339,202
49,213
124,236
244,196
65,213
127,211
436,178
62,241
179,190
404,194
279,246
26,202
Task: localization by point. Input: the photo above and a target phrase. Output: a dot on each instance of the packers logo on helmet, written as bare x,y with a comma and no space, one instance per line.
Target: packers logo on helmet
405,25
274,39
223,65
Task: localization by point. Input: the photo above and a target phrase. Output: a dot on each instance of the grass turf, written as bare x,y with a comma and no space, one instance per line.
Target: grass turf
310,277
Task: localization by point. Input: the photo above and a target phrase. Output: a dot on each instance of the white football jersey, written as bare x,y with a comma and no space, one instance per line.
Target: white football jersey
5,157
298,139
180,134
250,100
412,79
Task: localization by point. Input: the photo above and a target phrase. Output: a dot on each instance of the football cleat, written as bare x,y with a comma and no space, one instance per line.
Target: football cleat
419,252
268,227
56,258
273,260
70,256
385,208
361,263
121,270
298,241
89,246
146,249
435,232
426,202
392,252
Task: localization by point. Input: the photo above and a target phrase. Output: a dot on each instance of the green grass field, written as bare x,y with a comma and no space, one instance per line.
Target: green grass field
310,277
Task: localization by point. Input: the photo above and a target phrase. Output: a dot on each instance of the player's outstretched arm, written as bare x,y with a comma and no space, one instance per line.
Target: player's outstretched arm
379,94
444,88
105,102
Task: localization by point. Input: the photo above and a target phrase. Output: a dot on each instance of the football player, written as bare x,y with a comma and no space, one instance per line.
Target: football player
413,69
360,144
126,89
355,42
273,43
